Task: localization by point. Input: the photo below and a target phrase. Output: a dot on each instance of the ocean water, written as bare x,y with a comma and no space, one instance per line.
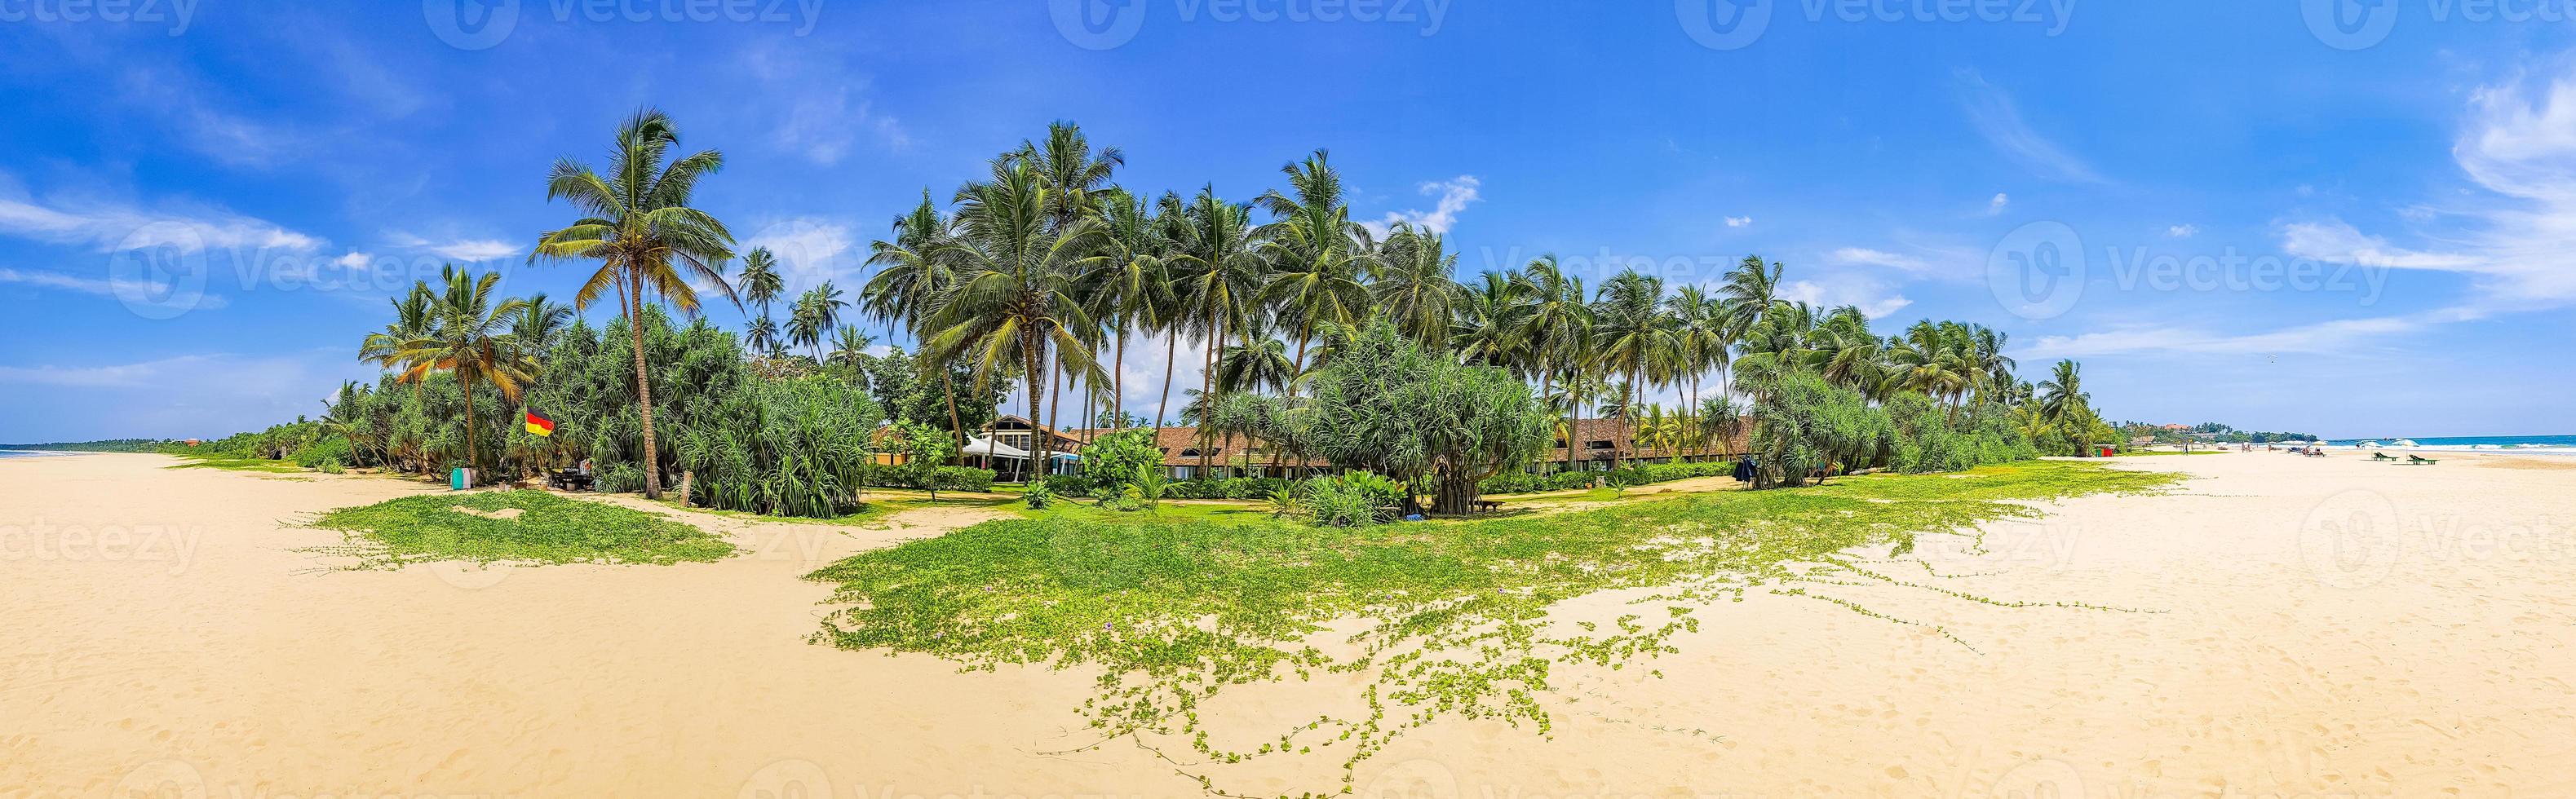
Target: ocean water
24,453
2521,445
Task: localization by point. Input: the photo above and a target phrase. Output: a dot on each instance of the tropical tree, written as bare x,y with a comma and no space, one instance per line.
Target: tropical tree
912,276
1412,286
1219,275
1016,296
1556,331
814,315
649,241
468,340
1635,338
1317,255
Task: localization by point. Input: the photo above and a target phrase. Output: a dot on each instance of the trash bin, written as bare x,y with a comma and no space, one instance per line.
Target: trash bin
460,479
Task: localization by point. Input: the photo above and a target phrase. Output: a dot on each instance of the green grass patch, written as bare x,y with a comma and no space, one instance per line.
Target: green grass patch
1172,608
513,526
237,464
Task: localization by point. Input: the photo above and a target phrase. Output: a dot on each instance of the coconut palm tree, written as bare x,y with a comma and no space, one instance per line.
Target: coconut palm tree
1128,283
1070,171
638,224
1488,326
911,277
468,340
1555,328
814,315
1636,338
538,321
2061,396
1219,273
1412,286
1016,299
849,347
412,318
1318,256
1751,290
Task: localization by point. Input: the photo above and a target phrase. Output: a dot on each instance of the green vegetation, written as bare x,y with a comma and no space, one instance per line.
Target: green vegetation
513,526
237,464
1172,609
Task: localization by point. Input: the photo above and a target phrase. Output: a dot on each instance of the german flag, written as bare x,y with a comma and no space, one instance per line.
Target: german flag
540,425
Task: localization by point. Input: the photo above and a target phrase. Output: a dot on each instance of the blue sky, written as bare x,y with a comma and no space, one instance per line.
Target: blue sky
2277,222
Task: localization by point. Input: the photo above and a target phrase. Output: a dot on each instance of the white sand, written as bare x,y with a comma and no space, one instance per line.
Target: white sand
160,634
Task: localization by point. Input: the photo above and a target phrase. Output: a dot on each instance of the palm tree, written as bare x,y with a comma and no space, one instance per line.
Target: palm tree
1016,297
814,315
849,347
1069,171
1556,326
412,319
638,224
1316,254
1636,337
763,337
911,278
1488,329
1128,282
1218,275
467,340
761,284
1751,290
538,321
1412,284
2061,396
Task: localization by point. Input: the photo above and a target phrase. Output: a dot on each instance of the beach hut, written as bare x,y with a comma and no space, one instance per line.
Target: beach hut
2105,450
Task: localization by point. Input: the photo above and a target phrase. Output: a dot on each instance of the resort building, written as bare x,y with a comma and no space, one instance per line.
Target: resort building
1598,442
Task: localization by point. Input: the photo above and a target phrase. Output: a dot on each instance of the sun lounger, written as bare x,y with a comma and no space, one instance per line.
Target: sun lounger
2382,456
2419,460
569,480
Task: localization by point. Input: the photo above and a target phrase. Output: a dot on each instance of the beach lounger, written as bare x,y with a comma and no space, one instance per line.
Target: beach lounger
2419,460
2382,456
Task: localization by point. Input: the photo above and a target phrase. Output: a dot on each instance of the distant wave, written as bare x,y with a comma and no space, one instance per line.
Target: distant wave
2519,445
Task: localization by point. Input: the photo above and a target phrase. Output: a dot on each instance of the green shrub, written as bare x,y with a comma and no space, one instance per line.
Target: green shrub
328,448
1038,495
1114,461
960,478
1350,499
1067,485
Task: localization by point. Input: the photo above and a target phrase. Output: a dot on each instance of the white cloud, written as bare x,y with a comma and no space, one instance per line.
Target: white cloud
111,227
827,109
1999,120
476,250
1869,298
2323,338
2336,241
1995,207
353,260
1454,195
1739,221
1863,256
2183,231
110,287
810,250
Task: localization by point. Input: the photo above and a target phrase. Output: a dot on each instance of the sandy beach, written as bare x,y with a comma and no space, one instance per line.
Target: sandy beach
2280,626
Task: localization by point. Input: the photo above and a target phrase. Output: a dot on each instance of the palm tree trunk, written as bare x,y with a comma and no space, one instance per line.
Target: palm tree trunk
1546,384
1118,381
470,463
1163,408
1207,389
1573,415
644,390
956,428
